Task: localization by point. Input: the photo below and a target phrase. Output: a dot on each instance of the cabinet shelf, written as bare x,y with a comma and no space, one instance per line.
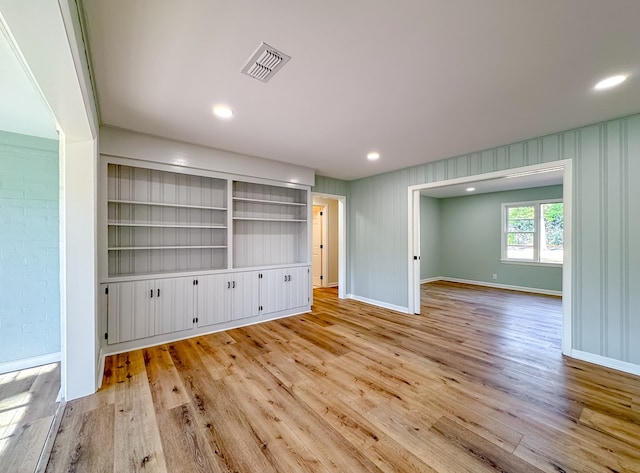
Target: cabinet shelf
180,247
158,204
162,225
272,202
252,219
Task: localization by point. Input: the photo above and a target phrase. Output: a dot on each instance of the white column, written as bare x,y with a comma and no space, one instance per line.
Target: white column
78,196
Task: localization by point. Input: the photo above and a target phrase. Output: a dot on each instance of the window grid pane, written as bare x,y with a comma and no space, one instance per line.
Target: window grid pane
533,231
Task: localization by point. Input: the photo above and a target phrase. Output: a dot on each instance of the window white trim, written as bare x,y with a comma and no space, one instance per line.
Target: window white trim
504,231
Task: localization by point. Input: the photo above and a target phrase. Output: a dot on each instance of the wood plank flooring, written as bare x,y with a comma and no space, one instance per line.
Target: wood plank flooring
27,410
475,384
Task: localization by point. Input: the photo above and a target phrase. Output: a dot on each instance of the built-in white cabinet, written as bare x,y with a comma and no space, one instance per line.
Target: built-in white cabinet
270,225
226,297
186,249
164,222
283,289
140,309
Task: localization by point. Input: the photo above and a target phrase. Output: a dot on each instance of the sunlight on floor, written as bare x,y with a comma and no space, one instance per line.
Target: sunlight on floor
13,407
11,414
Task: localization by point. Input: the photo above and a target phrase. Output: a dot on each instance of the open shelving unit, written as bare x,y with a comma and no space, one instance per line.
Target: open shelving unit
269,224
184,249
163,222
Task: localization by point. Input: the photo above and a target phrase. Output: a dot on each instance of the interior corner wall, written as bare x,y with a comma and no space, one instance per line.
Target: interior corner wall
470,235
29,248
430,224
605,262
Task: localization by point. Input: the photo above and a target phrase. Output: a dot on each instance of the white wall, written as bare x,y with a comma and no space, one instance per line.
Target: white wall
46,33
129,144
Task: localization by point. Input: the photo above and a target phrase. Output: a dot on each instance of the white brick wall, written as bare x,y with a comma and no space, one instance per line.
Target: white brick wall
29,247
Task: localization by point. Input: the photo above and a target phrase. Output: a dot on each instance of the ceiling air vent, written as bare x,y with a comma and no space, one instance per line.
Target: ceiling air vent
265,62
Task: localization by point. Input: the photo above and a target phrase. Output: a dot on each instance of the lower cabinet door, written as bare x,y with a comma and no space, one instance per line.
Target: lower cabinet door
213,299
298,291
273,290
130,311
174,305
245,295
284,289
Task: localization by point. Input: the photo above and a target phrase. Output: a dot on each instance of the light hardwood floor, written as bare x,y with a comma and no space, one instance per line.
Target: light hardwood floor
28,404
476,384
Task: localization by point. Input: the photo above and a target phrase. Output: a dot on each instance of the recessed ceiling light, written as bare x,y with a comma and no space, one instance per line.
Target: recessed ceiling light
222,111
373,156
610,82
470,189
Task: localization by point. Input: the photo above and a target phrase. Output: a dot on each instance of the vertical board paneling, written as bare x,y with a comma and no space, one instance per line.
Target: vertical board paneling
328,185
550,149
612,228
589,337
532,152
631,254
439,172
475,164
516,156
488,159
606,203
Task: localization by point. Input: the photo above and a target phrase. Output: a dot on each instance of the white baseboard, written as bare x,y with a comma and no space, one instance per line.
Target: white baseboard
434,279
624,366
100,369
25,363
533,290
140,344
333,284
384,305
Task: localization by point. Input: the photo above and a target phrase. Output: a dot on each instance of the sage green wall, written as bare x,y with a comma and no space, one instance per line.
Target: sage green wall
430,238
329,185
470,233
606,258
29,247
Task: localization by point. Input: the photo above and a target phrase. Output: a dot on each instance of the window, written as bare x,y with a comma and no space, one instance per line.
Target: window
532,232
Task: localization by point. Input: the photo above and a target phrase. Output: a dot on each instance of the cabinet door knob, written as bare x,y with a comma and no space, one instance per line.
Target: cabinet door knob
158,292
228,284
234,284
151,293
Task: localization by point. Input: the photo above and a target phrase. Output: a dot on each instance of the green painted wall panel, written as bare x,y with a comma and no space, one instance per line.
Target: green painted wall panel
612,231
470,232
589,233
550,149
329,185
430,243
606,262
630,252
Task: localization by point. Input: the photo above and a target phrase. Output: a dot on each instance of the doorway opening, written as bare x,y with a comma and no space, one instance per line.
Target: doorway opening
319,248
504,178
328,242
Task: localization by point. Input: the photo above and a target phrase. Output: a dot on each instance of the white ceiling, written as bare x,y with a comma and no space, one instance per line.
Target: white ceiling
22,107
416,80
484,186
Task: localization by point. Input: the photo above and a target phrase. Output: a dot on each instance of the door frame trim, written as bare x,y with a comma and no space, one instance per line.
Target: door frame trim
567,197
342,238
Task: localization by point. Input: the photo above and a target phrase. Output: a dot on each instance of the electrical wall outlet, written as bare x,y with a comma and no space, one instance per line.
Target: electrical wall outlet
495,276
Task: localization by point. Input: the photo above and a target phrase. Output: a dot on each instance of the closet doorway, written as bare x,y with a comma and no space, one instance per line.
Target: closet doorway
328,242
319,261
